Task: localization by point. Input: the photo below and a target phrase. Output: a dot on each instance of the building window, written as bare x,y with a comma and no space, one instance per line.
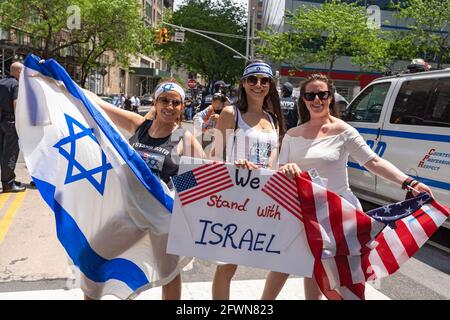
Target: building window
148,12
145,63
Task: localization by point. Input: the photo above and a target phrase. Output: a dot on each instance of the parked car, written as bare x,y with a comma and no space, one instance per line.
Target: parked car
107,99
405,119
146,100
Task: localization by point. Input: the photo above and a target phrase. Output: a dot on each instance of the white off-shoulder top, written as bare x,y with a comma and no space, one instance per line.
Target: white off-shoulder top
328,155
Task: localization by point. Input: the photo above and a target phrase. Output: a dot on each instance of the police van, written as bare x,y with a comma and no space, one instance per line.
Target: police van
405,119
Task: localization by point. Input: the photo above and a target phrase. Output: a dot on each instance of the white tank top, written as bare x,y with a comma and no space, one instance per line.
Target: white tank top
251,144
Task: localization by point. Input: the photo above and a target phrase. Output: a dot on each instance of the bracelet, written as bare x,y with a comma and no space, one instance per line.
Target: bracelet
407,183
414,183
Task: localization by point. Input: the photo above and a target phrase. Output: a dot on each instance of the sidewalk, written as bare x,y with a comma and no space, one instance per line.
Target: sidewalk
240,290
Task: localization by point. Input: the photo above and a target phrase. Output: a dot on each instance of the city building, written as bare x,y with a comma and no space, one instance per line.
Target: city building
348,78
145,71
256,16
109,78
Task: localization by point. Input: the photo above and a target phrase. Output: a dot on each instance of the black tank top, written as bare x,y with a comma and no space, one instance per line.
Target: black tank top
160,154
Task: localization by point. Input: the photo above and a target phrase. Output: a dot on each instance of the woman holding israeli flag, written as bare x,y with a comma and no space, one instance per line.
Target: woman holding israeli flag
247,134
160,142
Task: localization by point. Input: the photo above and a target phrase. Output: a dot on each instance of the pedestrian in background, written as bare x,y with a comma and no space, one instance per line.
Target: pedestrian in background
127,104
123,98
289,106
189,107
9,141
133,104
247,134
138,104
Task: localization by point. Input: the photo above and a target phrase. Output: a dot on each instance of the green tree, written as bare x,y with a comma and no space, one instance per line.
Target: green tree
430,24
43,19
203,56
319,34
106,25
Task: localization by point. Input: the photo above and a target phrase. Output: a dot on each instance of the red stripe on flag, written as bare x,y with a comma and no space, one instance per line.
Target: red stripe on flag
406,238
197,191
212,176
366,267
336,221
443,209
386,255
345,274
278,199
287,181
321,278
208,174
207,194
358,290
426,222
207,167
308,209
291,190
276,188
364,228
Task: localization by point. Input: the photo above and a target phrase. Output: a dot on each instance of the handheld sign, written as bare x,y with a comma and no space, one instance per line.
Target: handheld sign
244,217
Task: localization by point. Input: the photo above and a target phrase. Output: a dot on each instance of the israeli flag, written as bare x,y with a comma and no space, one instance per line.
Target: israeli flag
112,214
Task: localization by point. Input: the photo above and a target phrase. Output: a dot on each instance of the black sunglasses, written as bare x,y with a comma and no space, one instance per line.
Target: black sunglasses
166,101
253,80
310,96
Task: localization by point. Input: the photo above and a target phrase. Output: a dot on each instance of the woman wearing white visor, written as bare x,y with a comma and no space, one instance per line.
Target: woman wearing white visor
248,135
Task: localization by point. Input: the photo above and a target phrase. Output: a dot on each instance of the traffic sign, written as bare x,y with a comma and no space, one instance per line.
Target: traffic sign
192,84
179,36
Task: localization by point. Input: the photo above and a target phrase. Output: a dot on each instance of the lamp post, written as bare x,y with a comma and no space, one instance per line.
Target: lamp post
247,49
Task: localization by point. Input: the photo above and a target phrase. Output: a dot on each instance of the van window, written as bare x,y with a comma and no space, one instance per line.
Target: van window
438,112
423,102
368,105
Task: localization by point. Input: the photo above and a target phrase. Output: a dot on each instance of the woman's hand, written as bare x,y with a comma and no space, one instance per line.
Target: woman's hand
245,164
419,188
291,170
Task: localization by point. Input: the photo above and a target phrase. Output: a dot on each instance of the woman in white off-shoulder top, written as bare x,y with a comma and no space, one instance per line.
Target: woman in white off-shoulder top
324,142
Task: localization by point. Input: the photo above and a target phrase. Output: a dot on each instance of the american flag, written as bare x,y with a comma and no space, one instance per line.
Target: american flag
202,182
351,247
284,191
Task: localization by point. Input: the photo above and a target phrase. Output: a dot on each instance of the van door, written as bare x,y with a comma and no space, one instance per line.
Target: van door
417,136
366,113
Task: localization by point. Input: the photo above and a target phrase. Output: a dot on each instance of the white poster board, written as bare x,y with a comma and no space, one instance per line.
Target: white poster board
230,217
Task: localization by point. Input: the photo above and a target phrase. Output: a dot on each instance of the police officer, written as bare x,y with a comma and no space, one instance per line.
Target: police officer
219,87
289,106
9,141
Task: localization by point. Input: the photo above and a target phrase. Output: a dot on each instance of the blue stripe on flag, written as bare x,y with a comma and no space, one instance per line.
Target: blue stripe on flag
51,68
95,267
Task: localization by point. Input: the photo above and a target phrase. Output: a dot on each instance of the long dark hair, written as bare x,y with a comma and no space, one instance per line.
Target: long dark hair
271,102
303,110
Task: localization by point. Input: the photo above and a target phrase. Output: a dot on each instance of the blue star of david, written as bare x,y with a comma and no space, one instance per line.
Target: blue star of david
168,87
73,163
